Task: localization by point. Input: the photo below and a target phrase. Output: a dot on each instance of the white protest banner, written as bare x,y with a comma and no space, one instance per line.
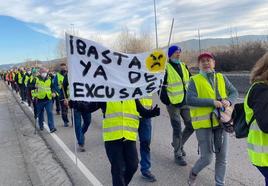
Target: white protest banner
97,73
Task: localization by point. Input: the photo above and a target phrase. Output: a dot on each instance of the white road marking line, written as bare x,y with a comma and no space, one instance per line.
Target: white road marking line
71,155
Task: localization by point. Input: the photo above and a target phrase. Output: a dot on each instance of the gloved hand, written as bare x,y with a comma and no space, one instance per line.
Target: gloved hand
156,111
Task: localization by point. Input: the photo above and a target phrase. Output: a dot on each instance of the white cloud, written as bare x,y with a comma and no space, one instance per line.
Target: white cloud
106,18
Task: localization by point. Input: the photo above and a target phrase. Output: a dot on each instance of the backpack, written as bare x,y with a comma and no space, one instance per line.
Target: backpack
224,116
241,127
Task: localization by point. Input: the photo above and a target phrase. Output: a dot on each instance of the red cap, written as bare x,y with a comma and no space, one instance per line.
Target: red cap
205,54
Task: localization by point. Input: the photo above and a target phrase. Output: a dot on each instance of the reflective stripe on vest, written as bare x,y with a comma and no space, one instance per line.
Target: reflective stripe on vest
175,84
112,129
121,121
257,140
43,88
113,115
257,148
201,115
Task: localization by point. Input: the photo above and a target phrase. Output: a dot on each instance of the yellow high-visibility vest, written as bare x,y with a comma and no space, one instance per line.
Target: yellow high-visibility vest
121,121
147,102
26,79
43,88
201,115
60,79
20,76
176,84
257,140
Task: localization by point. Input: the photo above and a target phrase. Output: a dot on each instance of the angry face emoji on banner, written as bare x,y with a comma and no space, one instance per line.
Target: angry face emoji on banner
156,61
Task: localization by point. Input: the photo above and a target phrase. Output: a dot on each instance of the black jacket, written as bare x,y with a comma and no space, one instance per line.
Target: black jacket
164,96
258,101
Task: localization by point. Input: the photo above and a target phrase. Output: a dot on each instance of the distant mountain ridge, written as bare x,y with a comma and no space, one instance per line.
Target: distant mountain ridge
191,44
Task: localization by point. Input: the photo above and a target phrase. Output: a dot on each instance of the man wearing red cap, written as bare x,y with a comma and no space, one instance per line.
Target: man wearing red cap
206,91
173,96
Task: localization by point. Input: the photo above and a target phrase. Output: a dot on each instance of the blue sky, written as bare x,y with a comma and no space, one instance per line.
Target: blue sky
19,42
30,29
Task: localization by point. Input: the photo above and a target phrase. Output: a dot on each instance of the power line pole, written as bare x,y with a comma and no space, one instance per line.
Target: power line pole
155,22
199,41
236,37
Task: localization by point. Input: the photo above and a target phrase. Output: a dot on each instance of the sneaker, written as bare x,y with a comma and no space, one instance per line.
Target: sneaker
58,112
53,130
65,125
41,128
180,161
81,148
148,176
191,179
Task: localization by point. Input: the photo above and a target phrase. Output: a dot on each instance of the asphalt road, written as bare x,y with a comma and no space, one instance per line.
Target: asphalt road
239,169
13,169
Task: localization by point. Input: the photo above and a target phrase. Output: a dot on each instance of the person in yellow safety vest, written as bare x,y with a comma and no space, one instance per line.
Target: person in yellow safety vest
31,88
19,80
120,127
58,86
43,97
206,91
173,96
145,133
16,85
256,106
12,78
26,78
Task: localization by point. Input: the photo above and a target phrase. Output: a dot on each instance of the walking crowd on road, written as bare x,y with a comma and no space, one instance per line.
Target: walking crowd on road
195,101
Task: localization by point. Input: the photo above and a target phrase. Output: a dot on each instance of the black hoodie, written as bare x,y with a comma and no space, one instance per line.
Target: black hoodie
258,101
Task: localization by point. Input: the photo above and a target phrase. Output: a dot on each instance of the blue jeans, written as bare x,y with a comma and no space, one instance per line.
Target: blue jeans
209,143
145,130
40,106
81,130
264,172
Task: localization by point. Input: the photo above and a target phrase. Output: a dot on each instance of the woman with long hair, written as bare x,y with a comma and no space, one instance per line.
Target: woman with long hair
256,107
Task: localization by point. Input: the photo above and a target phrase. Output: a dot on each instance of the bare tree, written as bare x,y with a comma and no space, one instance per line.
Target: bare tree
60,49
130,42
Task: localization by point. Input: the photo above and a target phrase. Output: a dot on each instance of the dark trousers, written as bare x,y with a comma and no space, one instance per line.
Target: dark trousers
264,171
123,157
56,100
64,112
22,92
179,136
29,96
145,130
